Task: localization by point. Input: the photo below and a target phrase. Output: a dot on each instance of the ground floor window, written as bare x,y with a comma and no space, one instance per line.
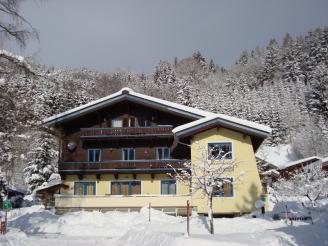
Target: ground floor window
126,187
84,188
226,190
168,187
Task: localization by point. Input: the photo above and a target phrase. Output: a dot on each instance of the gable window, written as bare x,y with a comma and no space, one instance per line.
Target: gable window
143,122
226,190
163,153
129,121
126,187
85,188
168,187
117,122
93,155
219,150
128,154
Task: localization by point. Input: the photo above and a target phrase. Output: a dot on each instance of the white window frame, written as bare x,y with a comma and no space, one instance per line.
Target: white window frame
233,189
99,155
164,147
134,154
220,142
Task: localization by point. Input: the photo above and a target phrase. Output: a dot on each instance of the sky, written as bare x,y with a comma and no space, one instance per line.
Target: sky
136,34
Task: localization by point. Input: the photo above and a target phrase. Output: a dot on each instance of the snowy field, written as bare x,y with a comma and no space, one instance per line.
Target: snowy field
35,226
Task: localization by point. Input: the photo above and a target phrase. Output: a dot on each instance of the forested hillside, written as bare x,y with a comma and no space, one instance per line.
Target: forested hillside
283,85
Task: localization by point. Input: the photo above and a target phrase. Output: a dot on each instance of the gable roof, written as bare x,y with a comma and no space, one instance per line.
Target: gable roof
246,126
127,94
202,119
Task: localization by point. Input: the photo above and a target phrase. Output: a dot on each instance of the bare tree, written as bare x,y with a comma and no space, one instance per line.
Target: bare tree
208,175
13,25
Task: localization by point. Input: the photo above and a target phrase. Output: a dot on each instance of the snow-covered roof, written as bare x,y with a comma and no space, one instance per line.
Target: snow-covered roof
200,116
277,156
221,119
294,163
126,93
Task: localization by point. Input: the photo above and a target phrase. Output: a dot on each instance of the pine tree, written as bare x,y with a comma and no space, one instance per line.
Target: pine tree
41,162
164,74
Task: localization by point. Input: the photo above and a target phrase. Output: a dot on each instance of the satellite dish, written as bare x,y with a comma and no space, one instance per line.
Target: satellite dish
71,146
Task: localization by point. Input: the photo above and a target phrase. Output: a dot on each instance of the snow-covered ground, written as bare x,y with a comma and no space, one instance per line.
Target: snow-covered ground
35,226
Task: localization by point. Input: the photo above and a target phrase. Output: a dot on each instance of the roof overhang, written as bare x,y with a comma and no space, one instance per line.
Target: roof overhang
257,132
201,120
127,94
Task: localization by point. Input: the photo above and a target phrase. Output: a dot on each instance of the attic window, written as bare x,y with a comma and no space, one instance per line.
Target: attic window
220,150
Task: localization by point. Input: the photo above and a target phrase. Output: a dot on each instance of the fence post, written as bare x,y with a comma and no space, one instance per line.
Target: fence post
188,211
149,211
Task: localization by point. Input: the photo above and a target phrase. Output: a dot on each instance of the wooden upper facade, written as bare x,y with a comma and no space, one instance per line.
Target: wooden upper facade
128,132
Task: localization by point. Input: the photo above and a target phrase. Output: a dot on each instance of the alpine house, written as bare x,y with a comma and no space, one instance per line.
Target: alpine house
117,153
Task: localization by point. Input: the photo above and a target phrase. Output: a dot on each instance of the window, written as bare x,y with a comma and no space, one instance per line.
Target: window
168,187
163,153
218,150
133,121
226,190
117,122
84,188
128,154
143,122
125,187
94,155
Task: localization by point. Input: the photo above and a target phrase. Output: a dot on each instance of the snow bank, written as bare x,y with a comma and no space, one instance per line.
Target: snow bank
35,226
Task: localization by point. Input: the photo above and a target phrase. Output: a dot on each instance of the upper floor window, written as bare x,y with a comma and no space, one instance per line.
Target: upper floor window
163,153
220,150
94,155
128,154
143,122
124,122
117,122
226,190
168,187
85,188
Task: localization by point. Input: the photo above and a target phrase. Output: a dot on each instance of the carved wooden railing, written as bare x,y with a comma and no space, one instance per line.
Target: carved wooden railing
165,130
120,164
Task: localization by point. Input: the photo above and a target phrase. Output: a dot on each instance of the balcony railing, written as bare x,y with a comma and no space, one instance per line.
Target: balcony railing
126,132
121,166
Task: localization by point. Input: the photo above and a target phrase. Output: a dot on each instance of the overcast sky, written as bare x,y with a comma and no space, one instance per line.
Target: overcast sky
105,34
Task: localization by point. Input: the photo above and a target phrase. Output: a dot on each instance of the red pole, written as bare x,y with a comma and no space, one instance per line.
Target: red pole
188,210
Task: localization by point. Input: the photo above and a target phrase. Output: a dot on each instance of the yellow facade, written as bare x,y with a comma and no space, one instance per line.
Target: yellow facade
150,193
247,187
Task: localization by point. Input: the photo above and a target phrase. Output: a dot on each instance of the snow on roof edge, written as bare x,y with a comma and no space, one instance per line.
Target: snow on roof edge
293,163
206,114
133,93
242,122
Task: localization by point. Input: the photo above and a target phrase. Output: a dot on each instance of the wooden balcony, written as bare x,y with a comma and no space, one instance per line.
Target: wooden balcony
120,166
163,131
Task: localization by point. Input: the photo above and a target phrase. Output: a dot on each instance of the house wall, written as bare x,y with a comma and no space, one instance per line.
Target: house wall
112,148
149,186
150,192
247,188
